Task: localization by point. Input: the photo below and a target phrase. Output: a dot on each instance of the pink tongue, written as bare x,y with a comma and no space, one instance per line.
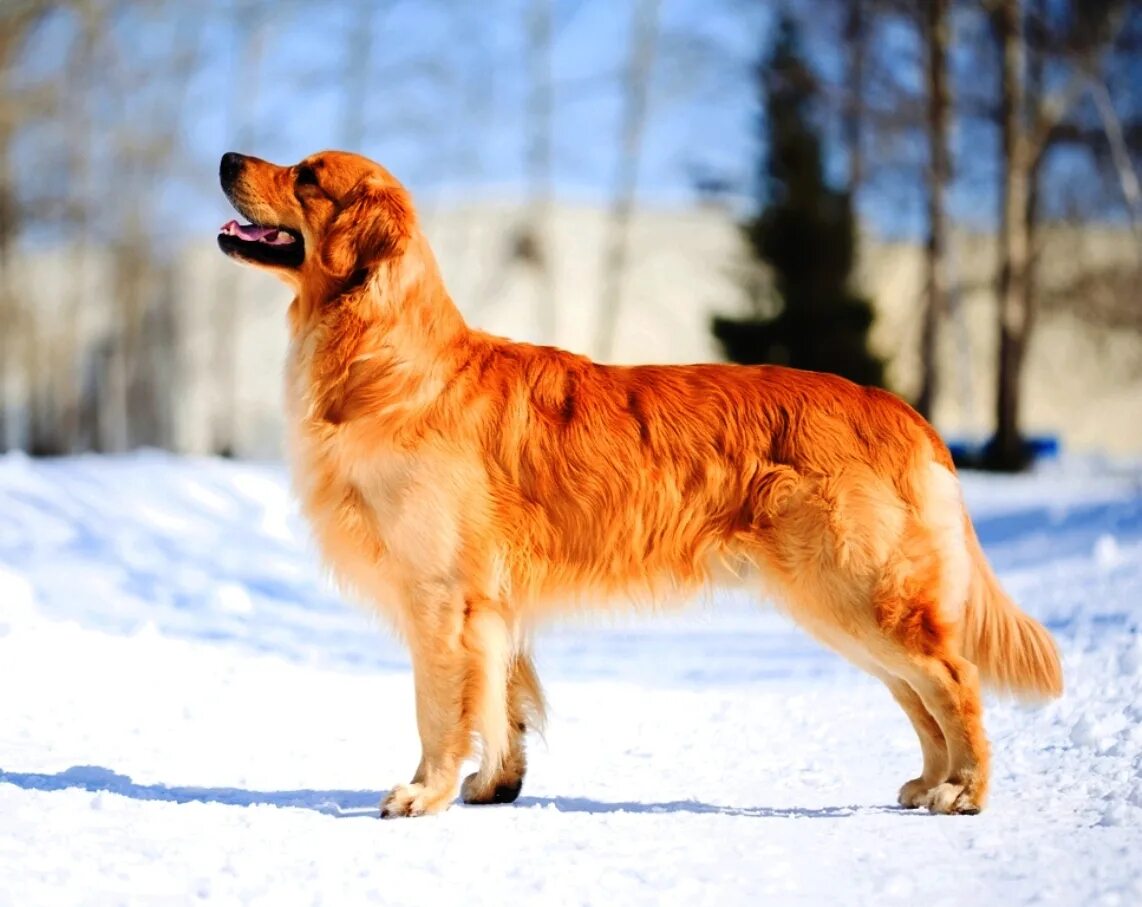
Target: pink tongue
252,233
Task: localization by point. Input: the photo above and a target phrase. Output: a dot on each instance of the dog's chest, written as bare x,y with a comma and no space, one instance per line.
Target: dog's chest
352,535
381,520
384,514
343,520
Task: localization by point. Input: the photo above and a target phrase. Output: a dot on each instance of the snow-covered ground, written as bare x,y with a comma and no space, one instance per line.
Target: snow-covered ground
189,713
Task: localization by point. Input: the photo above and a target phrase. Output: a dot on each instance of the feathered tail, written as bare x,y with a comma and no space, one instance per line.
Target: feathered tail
1013,651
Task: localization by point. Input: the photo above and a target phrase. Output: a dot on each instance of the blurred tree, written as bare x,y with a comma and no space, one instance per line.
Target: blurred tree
19,418
935,27
529,245
532,244
805,233
636,88
856,44
1071,38
249,23
1101,45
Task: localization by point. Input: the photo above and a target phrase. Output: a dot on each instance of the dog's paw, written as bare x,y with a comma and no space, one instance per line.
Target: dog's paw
413,800
476,791
915,793
951,799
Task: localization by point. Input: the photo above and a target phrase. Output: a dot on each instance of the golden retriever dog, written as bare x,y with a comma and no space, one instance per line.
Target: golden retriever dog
467,487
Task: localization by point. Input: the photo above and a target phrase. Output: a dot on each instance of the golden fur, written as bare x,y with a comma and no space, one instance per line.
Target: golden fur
467,486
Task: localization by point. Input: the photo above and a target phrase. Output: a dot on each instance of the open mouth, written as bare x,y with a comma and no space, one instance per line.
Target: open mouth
268,245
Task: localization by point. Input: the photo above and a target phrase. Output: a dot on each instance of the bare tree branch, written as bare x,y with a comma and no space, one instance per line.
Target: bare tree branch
1127,178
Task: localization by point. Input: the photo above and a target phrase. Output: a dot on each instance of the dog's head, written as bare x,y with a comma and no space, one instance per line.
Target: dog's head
330,217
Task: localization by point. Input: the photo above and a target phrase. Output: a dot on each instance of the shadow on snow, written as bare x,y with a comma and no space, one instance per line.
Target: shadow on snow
365,803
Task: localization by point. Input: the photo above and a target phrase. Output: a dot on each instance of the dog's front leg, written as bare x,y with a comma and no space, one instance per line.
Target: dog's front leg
458,659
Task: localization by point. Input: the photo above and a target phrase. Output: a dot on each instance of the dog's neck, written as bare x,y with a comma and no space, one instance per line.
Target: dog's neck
393,338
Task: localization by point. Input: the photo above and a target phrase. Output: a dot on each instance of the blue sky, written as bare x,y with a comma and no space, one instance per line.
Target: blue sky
442,99
469,131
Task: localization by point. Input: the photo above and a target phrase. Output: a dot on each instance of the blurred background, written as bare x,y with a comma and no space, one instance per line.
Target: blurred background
939,196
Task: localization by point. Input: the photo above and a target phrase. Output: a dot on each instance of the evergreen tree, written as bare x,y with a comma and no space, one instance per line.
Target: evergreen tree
806,234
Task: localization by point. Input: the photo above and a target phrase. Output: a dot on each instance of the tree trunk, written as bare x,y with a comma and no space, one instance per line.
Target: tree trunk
15,24
644,33
1120,155
936,277
9,310
1034,150
82,138
539,116
854,112
250,25
1014,250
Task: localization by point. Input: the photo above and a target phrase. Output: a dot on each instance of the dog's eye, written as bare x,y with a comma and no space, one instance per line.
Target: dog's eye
305,177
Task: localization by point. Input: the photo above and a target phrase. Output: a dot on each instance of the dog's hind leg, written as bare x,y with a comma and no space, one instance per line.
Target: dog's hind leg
884,585
919,608
919,661
501,781
948,686
914,793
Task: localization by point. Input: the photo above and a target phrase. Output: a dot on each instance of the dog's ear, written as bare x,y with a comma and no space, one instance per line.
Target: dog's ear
370,227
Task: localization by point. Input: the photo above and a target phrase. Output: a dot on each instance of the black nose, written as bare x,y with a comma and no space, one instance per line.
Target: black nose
230,167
